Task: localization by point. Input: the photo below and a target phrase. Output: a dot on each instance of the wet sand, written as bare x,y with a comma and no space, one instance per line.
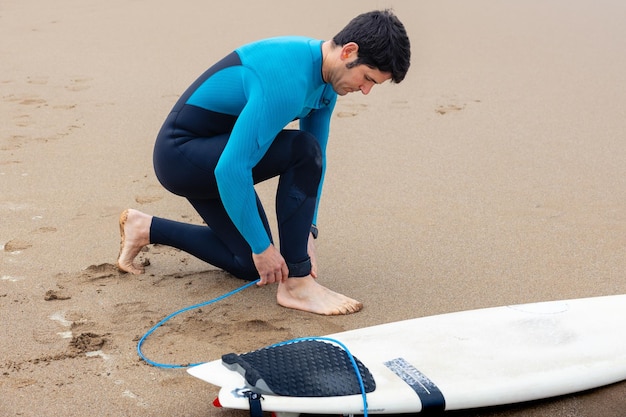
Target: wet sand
494,174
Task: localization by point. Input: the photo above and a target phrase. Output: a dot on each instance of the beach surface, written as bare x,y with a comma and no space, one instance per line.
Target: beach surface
494,174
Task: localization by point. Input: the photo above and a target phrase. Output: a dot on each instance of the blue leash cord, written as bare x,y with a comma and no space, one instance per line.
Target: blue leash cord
159,324
220,298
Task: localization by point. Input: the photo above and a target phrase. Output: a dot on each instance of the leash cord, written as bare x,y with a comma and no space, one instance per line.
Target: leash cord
176,313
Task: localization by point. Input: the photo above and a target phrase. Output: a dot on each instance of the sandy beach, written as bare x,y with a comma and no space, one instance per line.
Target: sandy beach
494,174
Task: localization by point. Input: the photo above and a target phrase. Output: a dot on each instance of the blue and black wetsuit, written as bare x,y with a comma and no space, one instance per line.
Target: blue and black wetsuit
227,133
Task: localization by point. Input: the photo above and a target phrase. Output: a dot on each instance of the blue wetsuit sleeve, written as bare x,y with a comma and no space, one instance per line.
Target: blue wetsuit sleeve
318,124
257,124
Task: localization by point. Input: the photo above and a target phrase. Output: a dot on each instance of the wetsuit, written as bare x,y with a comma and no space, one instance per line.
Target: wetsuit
227,133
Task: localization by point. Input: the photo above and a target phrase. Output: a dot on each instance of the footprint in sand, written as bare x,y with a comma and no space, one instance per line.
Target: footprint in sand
124,311
23,120
150,192
452,107
79,84
128,315
99,272
146,199
25,100
14,142
217,325
351,109
445,109
17,245
32,101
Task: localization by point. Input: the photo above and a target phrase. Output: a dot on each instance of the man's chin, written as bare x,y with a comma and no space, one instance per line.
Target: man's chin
340,92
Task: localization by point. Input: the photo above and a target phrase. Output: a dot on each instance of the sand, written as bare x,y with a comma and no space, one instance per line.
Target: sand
494,174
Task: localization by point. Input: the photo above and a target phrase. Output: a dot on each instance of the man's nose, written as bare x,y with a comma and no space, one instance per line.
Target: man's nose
366,88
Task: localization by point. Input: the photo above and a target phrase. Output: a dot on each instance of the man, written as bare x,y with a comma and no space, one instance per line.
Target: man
227,133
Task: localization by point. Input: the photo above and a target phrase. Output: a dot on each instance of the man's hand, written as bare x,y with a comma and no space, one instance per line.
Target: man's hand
271,266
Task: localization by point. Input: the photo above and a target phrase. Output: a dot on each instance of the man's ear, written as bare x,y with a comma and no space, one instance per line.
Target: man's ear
349,51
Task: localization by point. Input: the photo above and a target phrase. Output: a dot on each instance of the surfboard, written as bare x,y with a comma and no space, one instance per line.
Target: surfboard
460,360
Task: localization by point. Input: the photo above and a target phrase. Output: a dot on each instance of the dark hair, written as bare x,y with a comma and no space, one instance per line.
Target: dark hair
383,42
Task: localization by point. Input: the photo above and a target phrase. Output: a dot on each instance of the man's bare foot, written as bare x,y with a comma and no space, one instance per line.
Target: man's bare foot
306,294
135,234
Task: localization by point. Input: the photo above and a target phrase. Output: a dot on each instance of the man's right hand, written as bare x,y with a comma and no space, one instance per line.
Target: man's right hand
271,266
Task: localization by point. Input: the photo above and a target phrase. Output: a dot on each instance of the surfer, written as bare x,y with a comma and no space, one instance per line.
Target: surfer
227,132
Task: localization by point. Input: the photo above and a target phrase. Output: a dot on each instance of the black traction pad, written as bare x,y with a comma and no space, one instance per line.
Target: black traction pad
308,368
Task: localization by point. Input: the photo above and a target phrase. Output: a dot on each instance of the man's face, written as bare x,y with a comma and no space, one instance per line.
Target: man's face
359,78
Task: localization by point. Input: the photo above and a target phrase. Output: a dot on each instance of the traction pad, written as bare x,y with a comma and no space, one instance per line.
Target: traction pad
306,368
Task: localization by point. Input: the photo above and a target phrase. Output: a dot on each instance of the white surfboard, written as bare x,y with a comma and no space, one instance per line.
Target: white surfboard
463,360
